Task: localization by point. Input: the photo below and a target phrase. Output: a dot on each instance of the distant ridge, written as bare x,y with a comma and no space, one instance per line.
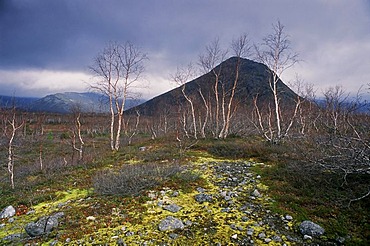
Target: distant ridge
63,103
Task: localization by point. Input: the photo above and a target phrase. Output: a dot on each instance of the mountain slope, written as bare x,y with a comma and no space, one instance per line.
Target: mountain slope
253,81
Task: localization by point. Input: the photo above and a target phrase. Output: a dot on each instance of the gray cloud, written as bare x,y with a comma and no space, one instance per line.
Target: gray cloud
62,37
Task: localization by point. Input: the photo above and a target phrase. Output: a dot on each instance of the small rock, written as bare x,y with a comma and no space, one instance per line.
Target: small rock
235,236
245,218
256,193
276,238
188,223
175,194
174,208
307,237
340,240
200,189
129,233
68,240
288,217
170,223
55,242
262,235
267,240
2,225
311,229
7,212
203,198
250,232
173,235
120,242
142,148
13,237
90,218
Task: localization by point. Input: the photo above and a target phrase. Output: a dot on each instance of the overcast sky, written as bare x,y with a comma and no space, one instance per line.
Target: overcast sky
46,46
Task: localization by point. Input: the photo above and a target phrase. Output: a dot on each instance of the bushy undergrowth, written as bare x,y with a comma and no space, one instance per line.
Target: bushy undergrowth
134,178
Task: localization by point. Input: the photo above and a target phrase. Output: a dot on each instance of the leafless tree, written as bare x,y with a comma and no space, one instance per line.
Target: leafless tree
118,68
76,113
208,61
275,52
181,77
241,49
14,127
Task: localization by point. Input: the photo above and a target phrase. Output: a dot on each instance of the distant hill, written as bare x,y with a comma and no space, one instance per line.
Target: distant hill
18,102
253,81
63,103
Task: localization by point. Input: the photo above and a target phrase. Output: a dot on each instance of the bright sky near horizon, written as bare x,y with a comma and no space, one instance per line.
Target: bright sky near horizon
47,46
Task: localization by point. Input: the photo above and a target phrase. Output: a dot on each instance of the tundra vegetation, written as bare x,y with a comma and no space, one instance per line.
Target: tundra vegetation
311,158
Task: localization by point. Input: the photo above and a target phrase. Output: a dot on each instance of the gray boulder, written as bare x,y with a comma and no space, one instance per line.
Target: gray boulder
44,225
170,223
311,229
7,212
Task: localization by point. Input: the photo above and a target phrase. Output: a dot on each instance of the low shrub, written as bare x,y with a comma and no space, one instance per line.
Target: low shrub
133,179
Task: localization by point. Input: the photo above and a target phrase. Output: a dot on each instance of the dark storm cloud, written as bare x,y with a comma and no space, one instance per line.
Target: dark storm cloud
61,37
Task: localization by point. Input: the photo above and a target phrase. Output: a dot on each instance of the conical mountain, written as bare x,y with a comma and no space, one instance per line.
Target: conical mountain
253,81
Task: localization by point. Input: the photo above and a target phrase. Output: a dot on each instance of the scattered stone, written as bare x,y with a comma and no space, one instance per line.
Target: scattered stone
120,242
262,235
250,231
2,225
307,237
13,237
288,217
188,223
90,218
142,148
267,240
311,229
256,193
68,240
170,223
340,240
174,208
201,190
44,225
173,235
7,212
129,233
276,238
55,242
235,236
203,198
175,194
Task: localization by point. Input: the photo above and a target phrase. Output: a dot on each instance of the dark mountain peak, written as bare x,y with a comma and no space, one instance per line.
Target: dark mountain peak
253,81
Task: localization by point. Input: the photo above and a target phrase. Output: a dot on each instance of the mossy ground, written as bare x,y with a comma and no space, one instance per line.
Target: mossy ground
68,189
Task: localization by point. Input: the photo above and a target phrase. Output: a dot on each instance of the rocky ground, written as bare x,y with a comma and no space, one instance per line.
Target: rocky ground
230,209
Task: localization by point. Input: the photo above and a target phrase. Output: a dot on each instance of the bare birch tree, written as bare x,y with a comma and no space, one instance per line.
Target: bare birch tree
208,61
14,126
181,77
241,48
119,68
275,52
